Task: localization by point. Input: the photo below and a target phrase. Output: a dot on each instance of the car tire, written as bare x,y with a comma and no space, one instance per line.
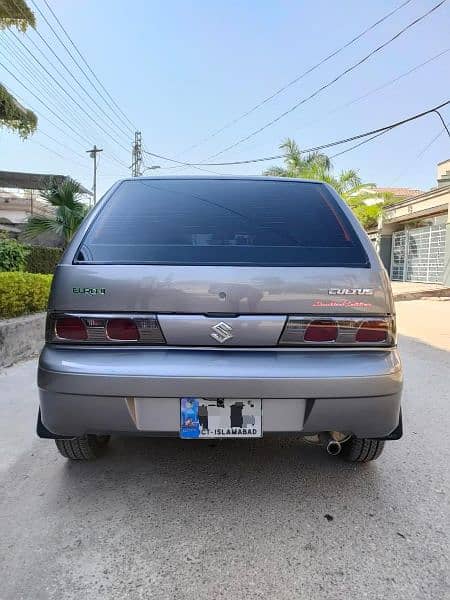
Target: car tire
362,449
86,447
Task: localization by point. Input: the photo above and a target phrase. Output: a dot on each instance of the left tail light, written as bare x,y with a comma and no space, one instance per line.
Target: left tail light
66,328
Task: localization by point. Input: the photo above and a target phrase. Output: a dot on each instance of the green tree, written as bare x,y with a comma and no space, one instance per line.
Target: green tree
68,212
16,13
319,167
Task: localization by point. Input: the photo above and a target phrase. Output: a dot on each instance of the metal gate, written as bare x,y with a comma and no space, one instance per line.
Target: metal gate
418,254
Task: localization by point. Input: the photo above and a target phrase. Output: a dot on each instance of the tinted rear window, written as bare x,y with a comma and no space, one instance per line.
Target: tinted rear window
225,222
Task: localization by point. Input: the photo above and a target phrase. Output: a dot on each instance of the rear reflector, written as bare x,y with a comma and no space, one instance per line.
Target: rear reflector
321,331
372,331
70,328
122,329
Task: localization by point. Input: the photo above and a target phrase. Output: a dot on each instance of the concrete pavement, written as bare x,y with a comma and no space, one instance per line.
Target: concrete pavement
410,290
276,519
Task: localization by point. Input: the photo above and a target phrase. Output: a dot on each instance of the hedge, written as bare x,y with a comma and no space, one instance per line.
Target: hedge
13,255
23,293
42,260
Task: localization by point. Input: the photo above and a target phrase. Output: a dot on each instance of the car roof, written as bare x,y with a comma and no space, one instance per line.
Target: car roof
221,177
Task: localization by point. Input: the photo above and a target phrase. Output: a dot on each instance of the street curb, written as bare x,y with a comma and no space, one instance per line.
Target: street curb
21,338
444,292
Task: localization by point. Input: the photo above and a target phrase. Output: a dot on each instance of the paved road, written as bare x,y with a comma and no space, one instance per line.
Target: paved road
274,519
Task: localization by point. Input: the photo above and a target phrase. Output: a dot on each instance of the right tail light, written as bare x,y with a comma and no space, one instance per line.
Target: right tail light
339,331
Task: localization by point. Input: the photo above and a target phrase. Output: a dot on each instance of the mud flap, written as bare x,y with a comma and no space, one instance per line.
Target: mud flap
396,434
44,433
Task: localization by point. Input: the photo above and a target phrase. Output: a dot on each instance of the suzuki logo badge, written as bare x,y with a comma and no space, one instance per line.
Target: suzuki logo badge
222,332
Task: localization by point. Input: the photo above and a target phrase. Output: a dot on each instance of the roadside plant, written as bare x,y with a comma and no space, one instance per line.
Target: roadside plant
68,211
23,293
13,255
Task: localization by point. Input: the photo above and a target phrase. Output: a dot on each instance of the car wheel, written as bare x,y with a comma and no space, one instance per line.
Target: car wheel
86,447
362,449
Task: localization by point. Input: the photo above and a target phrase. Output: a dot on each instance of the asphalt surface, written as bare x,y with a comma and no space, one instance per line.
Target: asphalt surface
272,519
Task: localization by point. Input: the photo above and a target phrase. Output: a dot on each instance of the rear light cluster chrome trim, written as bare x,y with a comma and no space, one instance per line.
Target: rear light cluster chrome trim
297,331
96,325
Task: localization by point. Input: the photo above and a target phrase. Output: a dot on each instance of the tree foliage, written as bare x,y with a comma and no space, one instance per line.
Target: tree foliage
14,116
347,183
16,13
68,212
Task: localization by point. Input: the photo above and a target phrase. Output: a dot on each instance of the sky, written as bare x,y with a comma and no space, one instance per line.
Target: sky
181,70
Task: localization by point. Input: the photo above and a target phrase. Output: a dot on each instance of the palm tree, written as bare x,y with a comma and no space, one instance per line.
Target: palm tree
68,211
348,184
297,165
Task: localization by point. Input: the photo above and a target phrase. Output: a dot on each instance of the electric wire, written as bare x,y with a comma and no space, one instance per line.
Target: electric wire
55,114
313,149
108,133
133,127
379,88
296,79
331,82
114,122
41,83
36,82
64,90
422,152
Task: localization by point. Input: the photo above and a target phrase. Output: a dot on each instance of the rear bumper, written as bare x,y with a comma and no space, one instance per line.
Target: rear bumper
95,390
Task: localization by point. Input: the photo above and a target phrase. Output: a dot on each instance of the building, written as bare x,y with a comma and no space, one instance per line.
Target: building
413,235
397,194
20,198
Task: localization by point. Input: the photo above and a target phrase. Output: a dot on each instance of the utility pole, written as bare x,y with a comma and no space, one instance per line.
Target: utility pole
136,155
93,154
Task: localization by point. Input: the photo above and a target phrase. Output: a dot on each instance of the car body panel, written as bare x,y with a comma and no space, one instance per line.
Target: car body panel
218,289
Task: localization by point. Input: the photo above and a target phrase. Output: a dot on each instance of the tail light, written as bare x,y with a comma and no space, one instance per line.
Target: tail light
122,329
103,329
338,331
321,331
70,328
372,331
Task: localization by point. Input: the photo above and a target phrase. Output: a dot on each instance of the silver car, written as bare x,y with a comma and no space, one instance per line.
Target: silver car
227,307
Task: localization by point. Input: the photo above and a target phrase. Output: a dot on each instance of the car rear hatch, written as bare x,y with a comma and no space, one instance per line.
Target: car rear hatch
212,262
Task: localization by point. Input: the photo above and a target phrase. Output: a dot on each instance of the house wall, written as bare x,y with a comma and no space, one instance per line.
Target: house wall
430,208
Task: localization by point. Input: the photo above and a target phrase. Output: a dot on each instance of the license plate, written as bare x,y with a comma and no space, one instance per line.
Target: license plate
220,418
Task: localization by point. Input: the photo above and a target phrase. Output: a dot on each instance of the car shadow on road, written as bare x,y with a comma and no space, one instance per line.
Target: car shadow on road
138,472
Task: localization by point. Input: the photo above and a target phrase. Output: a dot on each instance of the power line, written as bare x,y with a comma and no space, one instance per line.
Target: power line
443,122
55,114
42,116
380,87
36,82
296,79
313,149
61,87
331,82
52,78
422,152
360,143
108,133
366,95
89,67
114,122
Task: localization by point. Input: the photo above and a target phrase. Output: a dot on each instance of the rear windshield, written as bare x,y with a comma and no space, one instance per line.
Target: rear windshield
222,222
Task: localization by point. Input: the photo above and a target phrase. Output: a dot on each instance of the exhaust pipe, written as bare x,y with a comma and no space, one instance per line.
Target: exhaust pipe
333,447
